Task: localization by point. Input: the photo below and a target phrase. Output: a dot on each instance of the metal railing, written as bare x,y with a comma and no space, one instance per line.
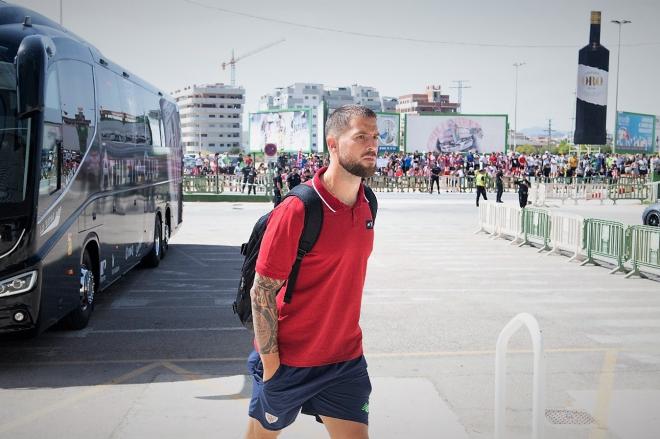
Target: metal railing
227,184
644,248
606,239
566,234
538,386
536,227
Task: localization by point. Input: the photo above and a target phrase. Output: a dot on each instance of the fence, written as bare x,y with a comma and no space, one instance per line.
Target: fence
542,192
566,234
224,183
598,240
645,248
507,222
535,227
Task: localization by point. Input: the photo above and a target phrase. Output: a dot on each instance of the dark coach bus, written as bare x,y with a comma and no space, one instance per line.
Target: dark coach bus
90,173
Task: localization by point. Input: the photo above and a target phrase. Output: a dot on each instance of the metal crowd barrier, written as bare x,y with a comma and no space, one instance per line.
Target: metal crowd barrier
622,191
487,217
223,184
644,248
535,227
596,239
508,222
566,234
606,239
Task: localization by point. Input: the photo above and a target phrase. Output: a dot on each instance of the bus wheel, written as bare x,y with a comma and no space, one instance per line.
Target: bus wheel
79,317
152,259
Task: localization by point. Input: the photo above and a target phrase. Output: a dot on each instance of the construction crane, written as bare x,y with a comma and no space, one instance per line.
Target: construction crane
232,62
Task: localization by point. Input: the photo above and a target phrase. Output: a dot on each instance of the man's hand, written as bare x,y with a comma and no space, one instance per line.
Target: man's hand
271,362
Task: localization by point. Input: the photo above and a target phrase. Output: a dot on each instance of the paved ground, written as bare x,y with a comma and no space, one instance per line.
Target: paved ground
164,356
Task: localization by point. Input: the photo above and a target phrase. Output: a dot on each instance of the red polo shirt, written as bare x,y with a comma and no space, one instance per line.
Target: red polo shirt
321,324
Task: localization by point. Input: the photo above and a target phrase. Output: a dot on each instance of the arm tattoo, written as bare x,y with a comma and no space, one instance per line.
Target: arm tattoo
264,312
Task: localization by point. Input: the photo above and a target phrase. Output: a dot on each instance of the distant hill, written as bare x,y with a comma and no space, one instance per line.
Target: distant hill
541,131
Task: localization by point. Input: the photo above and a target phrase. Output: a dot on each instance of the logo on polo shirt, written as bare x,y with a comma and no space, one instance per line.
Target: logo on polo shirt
271,418
370,224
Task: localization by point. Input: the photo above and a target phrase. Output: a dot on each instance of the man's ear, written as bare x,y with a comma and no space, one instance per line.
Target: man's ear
331,141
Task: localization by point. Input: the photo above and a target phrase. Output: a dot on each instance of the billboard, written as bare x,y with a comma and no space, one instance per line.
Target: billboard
288,130
388,132
635,133
451,132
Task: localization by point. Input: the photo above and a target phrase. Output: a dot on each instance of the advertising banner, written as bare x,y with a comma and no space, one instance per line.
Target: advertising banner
388,132
288,130
449,133
635,133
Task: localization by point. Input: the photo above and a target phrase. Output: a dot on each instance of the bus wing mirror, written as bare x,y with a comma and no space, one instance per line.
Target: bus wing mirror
31,65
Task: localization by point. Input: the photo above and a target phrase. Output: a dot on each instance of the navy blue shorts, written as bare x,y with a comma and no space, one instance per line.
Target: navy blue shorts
339,390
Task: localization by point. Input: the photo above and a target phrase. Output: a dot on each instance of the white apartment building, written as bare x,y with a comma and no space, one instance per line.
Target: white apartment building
313,96
366,96
389,104
211,117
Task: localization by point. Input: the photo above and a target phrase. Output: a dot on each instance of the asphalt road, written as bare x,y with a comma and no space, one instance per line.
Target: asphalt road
165,357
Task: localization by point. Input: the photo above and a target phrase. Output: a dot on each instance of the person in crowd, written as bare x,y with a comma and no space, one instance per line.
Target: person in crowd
293,179
246,172
277,187
435,177
252,180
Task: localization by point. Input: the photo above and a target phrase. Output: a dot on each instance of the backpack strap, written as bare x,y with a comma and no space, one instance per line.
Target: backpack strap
311,231
373,201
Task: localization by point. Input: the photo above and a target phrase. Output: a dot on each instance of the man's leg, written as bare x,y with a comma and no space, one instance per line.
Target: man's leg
483,193
342,429
478,195
256,431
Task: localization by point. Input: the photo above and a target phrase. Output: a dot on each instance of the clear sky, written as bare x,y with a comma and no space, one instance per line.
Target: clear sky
174,43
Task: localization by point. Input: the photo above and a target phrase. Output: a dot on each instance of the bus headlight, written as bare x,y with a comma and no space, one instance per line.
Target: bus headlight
18,284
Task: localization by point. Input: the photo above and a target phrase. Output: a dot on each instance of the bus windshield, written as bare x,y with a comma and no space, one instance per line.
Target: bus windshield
13,140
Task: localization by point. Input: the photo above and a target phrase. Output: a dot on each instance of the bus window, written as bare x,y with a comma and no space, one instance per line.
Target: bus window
77,96
132,113
52,138
111,117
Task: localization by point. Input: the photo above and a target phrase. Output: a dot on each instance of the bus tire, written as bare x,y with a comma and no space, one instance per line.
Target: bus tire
152,259
79,317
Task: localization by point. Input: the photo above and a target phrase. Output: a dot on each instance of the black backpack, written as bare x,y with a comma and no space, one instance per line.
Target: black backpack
311,231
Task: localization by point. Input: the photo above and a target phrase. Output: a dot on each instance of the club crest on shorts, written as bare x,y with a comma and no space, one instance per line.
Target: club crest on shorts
271,418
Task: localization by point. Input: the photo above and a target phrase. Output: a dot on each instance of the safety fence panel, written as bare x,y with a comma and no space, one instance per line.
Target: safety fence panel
508,222
589,191
535,227
654,191
223,184
622,191
566,234
487,217
644,248
605,239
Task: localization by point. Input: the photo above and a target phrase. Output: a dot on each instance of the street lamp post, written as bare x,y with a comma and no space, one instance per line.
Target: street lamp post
620,23
515,107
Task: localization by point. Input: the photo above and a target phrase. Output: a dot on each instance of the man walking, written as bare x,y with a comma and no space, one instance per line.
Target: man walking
480,181
293,179
309,351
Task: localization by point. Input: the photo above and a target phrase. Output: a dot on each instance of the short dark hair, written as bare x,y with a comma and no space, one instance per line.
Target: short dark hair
340,119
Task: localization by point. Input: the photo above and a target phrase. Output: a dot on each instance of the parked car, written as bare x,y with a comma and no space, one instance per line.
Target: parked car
651,215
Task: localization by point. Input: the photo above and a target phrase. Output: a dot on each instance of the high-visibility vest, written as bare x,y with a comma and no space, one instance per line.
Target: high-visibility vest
481,179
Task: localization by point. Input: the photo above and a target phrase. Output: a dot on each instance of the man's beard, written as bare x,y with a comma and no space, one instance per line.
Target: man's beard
355,168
